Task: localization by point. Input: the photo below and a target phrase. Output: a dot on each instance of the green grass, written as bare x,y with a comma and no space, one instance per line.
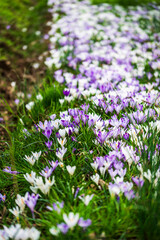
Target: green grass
125,2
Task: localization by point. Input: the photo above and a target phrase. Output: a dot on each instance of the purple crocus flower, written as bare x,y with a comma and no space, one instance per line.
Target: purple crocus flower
73,139
102,136
58,206
76,193
84,118
100,161
63,227
126,136
17,101
54,164
1,119
47,132
90,122
36,127
31,202
85,107
46,36
76,119
112,173
8,170
8,27
66,92
2,197
138,181
129,194
46,172
84,223
48,144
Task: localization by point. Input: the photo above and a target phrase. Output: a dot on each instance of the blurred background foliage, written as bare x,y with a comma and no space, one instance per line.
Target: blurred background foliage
19,20
125,2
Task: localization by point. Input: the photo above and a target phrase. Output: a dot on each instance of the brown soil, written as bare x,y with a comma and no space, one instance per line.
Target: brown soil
19,69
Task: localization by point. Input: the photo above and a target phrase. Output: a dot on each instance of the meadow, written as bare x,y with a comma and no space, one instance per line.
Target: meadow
81,160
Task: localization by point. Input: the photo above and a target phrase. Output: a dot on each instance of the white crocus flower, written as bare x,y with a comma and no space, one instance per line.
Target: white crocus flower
107,164
15,211
99,125
86,199
94,166
61,164
30,159
70,169
71,220
61,153
16,232
128,153
95,178
62,133
61,101
157,110
114,190
30,177
102,170
54,231
34,189
30,105
139,167
39,97
13,84
12,230
44,187
62,142
36,155
55,123
148,175
20,201
118,180
33,233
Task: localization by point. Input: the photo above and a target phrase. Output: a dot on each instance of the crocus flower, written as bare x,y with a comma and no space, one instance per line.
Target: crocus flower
46,172
44,187
15,211
70,169
31,202
84,223
2,197
30,177
114,189
8,170
29,106
54,231
138,181
54,164
129,194
48,144
86,199
61,152
126,136
95,178
71,220
20,201
63,227
58,206
36,155
47,132
76,193
66,92
30,159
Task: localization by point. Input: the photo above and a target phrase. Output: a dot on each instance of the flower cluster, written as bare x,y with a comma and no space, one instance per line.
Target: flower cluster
103,141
